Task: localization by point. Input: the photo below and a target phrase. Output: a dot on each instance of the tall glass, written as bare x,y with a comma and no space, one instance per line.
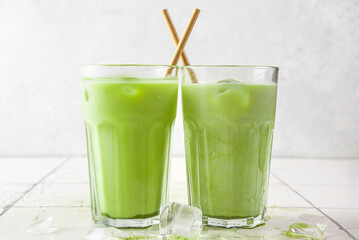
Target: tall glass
228,123
129,111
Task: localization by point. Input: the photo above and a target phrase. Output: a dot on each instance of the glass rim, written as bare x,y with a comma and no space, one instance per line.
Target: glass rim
232,66
129,65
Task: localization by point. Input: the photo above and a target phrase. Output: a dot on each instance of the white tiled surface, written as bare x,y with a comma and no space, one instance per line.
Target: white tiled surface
348,218
57,195
333,172
72,223
11,192
59,185
282,196
26,170
331,196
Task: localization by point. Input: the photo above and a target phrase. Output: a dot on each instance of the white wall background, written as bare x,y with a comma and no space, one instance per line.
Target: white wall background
314,42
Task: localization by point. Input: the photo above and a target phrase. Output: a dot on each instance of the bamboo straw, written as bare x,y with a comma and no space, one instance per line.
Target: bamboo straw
184,58
183,40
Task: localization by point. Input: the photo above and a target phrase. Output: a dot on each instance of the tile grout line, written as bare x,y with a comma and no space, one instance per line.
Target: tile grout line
318,209
6,208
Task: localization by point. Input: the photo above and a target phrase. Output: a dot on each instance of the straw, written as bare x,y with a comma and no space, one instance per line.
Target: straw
184,58
183,40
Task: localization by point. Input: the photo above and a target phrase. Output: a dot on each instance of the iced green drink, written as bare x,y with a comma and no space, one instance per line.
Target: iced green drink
228,138
128,125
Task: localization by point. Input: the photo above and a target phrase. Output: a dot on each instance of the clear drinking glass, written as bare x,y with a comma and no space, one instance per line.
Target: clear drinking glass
129,111
228,122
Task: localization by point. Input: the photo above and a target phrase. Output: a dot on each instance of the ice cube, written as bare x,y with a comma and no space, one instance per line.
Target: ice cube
41,224
232,100
308,226
228,81
181,220
305,230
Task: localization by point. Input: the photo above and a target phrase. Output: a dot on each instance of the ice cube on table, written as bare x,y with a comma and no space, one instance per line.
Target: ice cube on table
180,219
41,224
306,231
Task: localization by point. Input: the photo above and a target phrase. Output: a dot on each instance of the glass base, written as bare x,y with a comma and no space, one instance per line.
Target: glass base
126,223
249,222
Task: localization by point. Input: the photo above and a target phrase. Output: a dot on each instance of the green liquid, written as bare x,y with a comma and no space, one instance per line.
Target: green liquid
228,137
128,125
